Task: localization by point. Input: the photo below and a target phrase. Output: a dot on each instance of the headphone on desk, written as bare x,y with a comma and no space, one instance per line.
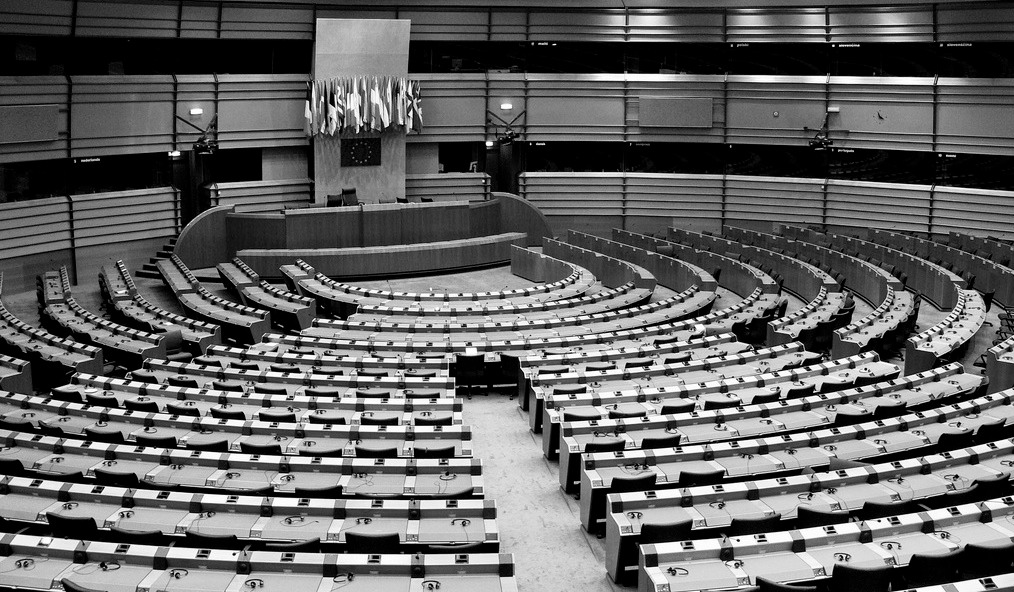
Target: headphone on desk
430,585
178,573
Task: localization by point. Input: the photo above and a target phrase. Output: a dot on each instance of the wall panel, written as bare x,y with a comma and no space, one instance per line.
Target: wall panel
261,196
754,100
984,22
36,90
434,25
568,107
793,25
123,216
875,24
590,202
973,211
130,19
886,113
975,115
764,199
881,205
261,110
676,26
447,186
606,25
454,108
698,87
36,17
32,227
121,115
252,21
687,201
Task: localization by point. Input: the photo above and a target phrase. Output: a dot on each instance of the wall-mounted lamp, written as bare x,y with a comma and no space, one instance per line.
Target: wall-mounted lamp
506,106
174,154
489,143
197,111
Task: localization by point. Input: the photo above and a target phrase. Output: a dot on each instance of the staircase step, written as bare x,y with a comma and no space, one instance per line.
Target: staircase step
148,274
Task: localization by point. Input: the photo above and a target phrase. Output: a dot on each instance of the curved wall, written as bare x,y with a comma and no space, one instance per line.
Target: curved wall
646,202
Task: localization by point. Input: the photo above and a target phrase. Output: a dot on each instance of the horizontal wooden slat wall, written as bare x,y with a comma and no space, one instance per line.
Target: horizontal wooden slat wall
648,85
121,115
765,199
36,17
589,202
882,113
453,107
114,19
128,114
261,110
910,22
974,115
33,227
881,205
261,196
753,102
575,107
657,200
448,186
36,90
973,211
648,202
125,216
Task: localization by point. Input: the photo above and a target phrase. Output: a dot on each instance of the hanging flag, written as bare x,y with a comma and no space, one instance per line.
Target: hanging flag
399,103
375,106
307,112
385,103
321,109
332,108
354,105
414,108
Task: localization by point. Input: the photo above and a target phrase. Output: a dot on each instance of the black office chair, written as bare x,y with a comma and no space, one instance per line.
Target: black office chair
148,406
663,532
604,445
766,585
208,361
326,492
102,399
363,452
421,393
113,437
983,488
372,543
771,397
183,381
872,510
373,393
73,527
70,586
220,413
153,441
434,452
212,541
618,414
262,449
807,517
349,197
307,546
426,200
401,200
392,420
982,560
930,570
233,386
244,365
653,442
219,445
434,420
325,418
744,526
270,389
852,578
670,407
276,415
183,409
373,372
727,403
695,478
154,538
142,375
111,479
284,368
469,372
992,431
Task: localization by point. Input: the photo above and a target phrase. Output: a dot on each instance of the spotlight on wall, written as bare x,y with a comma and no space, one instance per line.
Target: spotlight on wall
197,111
506,106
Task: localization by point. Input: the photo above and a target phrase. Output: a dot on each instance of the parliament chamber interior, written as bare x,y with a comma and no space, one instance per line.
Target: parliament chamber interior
421,295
